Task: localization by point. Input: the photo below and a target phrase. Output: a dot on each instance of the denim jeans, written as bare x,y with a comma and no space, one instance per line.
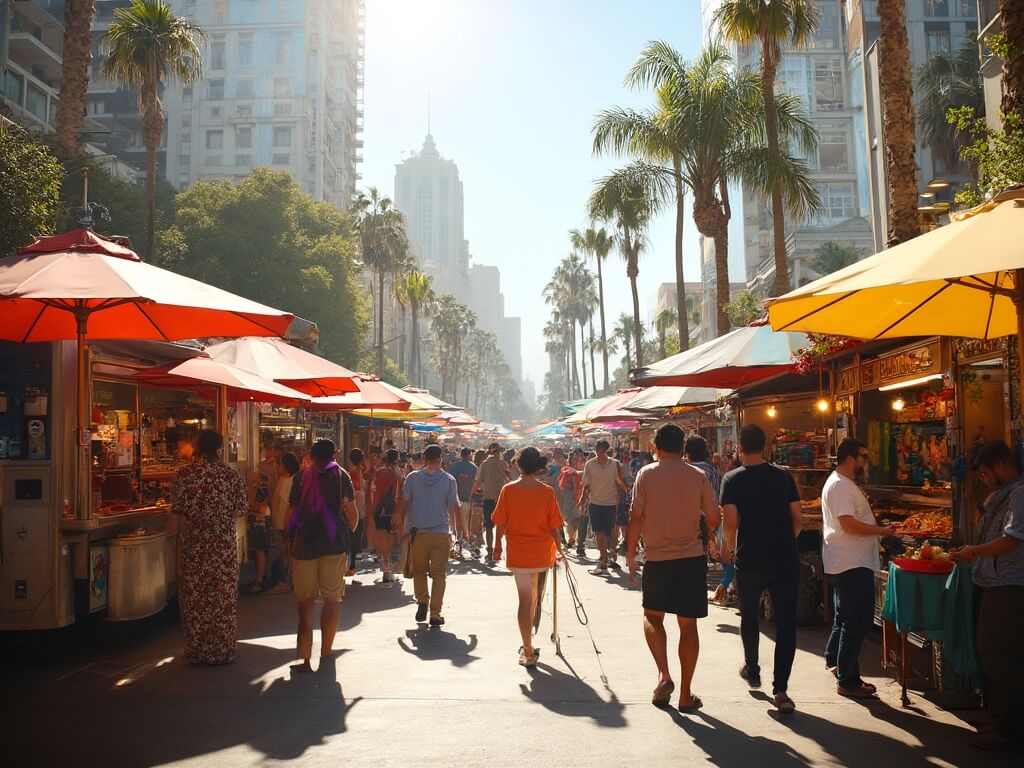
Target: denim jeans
782,586
728,574
854,614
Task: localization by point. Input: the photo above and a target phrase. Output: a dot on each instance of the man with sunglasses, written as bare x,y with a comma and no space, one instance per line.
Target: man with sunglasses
850,557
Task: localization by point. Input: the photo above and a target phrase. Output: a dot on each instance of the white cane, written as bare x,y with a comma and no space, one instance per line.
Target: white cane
554,610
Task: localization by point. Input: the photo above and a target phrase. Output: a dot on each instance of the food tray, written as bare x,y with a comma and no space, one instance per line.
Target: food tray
923,566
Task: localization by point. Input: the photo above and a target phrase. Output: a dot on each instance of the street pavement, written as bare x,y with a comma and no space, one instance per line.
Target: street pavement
398,695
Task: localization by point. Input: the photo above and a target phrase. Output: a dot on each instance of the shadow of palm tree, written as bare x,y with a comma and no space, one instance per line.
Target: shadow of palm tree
438,645
570,696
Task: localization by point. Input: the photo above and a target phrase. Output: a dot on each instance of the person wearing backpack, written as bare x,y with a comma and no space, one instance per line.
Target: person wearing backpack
387,487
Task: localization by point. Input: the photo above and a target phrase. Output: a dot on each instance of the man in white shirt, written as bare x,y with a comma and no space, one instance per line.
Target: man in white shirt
602,481
850,556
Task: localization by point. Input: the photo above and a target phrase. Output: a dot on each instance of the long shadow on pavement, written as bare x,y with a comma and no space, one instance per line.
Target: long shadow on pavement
438,645
570,696
726,745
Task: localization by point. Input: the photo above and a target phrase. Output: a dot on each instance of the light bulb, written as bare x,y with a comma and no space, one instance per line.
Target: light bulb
898,404
822,404
772,412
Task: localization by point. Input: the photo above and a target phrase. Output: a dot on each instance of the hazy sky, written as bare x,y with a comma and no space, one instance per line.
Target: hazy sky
514,87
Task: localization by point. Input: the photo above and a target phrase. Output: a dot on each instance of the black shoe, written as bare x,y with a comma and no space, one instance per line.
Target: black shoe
421,612
753,678
436,621
614,564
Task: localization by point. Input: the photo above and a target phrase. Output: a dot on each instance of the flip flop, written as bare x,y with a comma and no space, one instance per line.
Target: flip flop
663,693
693,706
528,661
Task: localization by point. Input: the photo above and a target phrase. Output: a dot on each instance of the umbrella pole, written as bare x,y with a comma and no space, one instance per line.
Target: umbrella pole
82,495
1018,301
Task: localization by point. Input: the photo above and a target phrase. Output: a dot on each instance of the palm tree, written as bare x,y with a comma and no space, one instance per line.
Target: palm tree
74,78
590,348
629,197
420,293
598,243
771,24
384,244
451,323
629,332
665,320
554,345
898,120
146,46
947,82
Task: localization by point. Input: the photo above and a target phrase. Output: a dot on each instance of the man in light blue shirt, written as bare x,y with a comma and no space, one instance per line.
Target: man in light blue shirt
429,495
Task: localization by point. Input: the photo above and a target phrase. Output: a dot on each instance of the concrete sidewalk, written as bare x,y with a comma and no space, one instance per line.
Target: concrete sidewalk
397,694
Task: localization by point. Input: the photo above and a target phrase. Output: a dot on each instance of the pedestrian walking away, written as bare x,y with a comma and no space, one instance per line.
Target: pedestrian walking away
287,468
669,500
322,518
464,472
528,518
208,497
490,477
429,496
850,557
599,489
387,486
998,573
696,452
762,518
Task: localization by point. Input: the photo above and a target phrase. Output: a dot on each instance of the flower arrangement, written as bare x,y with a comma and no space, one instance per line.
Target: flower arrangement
822,347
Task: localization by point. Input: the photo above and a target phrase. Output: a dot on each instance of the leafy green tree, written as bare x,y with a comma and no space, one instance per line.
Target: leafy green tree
665,320
831,256
267,240
628,333
947,82
744,309
997,154
420,292
30,179
451,322
147,45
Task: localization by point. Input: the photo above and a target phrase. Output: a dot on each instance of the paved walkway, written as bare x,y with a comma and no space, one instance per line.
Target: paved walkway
397,695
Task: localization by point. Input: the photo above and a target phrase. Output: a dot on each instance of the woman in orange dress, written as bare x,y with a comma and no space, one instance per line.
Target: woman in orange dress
527,517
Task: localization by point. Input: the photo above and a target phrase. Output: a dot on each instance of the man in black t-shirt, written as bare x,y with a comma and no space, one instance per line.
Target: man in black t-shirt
761,510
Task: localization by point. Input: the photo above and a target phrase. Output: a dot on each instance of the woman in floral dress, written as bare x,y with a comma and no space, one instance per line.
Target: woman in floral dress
209,496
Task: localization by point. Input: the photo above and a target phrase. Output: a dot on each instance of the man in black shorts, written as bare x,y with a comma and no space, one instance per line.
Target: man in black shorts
761,509
600,486
669,497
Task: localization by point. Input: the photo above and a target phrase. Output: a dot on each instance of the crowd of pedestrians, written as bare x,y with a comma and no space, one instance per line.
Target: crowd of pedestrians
667,514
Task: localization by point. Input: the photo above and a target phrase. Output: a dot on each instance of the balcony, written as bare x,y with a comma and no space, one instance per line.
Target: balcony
29,99
34,55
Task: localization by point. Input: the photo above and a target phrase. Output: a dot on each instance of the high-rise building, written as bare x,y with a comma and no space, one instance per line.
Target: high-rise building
31,57
429,192
282,87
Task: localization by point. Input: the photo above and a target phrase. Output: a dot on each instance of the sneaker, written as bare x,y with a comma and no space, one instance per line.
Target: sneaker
784,704
753,678
386,578
436,621
421,613
581,553
598,571
613,563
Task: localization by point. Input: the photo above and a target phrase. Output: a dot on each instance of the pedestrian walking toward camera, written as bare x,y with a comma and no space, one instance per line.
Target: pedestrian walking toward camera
528,518
761,510
464,472
602,480
429,496
849,555
322,519
208,497
490,477
669,499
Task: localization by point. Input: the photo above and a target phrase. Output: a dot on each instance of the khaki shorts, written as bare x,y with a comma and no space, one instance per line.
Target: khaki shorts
323,577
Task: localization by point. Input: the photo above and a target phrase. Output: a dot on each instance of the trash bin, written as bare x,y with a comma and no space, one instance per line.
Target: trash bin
138,576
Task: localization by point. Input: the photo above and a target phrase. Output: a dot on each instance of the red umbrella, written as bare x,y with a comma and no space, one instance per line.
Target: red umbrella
278,360
80,285
371,394
241,384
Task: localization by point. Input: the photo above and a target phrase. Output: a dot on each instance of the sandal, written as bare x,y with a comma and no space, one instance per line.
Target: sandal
865,691
528,661
254,589
693,706
663,693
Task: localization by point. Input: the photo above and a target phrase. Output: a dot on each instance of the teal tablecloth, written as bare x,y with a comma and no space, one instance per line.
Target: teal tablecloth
937,607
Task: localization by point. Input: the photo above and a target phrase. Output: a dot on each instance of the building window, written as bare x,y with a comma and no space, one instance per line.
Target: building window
244,89
215,139
282,87
35,102
833,150
826,34
243,160
282,159
98,107
282,47
184,162
216,89
243,110
243,138
838,201
828,84
245,49
186,96
936,7
12,87
937,41
282,108
218,53
282,136
968,9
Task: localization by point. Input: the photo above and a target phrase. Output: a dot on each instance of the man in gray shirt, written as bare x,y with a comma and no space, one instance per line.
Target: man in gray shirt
491,478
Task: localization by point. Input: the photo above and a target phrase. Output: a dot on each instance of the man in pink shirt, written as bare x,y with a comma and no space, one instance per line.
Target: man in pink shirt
668,499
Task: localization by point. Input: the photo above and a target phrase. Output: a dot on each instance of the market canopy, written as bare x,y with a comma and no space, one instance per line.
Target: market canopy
431,401
278,360
740,357
665,398
241,385
549,428
372,394
417,408
571,406
609,408
961,279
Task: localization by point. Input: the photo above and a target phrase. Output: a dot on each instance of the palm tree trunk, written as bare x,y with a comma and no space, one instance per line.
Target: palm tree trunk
629,359
600,303
684,325
722,278
153,126
401,340
572,361
414,328
632,271
583,358
380,324
778,213
1011,22
74,81
593,368
661,344
898,120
